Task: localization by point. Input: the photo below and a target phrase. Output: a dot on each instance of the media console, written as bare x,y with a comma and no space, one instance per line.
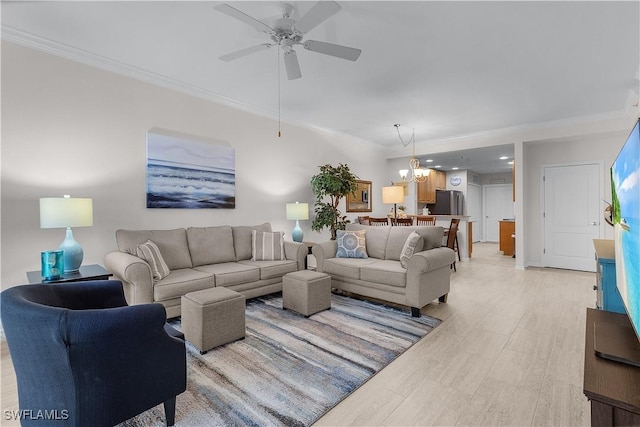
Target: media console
613,388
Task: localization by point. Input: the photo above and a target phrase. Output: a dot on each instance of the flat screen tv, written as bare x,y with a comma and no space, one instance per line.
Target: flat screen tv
625,190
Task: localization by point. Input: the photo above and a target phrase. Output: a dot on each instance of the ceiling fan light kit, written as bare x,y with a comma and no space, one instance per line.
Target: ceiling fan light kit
286,32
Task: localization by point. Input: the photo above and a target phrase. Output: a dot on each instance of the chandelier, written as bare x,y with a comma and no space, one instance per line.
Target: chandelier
415,173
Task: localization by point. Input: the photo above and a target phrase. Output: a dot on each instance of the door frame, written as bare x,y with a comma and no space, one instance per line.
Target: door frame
543,223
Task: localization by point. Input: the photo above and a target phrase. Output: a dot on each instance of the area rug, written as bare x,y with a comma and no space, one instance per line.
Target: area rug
290,370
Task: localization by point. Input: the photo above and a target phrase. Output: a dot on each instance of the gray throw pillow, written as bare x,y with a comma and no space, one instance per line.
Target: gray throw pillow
351,244
409,248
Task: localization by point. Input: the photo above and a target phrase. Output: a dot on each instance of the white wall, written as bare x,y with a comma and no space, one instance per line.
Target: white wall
592,148
71,129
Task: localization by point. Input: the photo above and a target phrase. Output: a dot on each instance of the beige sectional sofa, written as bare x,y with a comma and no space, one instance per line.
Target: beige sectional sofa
199,258
381,274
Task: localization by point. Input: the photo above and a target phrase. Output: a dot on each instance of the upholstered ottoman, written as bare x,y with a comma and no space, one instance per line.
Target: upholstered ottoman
306,292
212,317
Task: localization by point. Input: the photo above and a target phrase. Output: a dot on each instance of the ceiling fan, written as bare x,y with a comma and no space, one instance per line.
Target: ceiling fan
287,32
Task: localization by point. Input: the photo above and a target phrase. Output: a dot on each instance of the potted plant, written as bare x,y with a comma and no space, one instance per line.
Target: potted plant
335,183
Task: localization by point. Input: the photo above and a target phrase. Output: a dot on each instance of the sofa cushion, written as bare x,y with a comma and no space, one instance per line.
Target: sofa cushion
345,267
351,244
267,246
172,244
242,239
150,252
180,282
211,245
431,236
231,273
409,248
271,269
397,238
376,238
387,272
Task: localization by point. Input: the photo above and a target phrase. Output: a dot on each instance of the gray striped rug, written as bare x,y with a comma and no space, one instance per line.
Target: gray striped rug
290,370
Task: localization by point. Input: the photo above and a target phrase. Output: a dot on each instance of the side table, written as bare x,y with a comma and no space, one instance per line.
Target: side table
86,272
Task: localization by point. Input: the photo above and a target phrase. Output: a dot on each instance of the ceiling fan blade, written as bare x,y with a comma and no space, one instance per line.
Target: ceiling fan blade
318,14
241,16
292,65
336,50
244,52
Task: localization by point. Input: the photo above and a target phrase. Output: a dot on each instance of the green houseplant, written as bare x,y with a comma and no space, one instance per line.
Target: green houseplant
335,183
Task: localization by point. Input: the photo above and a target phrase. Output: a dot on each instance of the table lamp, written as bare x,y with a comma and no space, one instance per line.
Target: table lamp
67,212
297,211
393,194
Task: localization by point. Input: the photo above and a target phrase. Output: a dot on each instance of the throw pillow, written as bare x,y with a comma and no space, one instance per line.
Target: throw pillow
409,248
351,244
150,252
267,246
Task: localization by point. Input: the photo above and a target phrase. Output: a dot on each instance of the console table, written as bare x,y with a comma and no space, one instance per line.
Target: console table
86,272
613,388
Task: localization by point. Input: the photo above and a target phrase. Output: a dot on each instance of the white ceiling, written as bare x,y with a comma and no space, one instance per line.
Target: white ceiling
443,68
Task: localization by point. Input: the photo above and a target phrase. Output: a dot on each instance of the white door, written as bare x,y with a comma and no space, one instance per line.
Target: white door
571,215
474,210
498,205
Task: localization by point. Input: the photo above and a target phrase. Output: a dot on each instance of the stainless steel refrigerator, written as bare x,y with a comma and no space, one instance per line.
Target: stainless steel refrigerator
449,202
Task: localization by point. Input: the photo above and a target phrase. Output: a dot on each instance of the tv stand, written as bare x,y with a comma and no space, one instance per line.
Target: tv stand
613,388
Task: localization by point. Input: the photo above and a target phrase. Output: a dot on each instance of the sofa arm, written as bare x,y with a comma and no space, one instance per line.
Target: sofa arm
135,275
324,250
296,251
432,259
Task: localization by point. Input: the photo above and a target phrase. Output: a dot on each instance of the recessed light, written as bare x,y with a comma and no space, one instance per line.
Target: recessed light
437,166
504,158
455,169
510,163
429,160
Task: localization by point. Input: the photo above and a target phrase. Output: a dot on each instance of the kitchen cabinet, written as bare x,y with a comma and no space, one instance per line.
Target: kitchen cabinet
507,240
436,180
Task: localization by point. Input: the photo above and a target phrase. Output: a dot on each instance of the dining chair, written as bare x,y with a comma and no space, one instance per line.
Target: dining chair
364,220
425,220
407,222
378,221
452,239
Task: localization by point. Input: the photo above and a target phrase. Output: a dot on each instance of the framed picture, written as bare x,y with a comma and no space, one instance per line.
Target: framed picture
361,200
186,172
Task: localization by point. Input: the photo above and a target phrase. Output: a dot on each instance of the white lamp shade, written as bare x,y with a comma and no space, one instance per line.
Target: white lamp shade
297,211
393,194
62,212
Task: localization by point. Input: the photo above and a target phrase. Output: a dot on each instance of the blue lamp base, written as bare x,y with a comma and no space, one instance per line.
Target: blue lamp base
73,253
296,234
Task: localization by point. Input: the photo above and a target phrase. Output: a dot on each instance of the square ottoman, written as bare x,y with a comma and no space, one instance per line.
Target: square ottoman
306,292
212,317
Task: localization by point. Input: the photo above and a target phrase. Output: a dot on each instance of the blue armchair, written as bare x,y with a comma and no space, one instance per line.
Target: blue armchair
83,357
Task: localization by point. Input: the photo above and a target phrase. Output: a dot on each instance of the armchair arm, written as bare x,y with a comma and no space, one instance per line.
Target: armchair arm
135,274
296,251
324,251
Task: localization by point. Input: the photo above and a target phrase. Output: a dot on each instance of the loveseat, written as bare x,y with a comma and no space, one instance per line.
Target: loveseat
198,258
381,275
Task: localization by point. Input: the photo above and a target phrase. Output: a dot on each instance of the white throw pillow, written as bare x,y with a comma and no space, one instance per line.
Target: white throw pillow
409,248
267,246
351,244
150,252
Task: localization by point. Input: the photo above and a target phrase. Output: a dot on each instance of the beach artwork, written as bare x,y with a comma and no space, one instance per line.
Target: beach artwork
189,173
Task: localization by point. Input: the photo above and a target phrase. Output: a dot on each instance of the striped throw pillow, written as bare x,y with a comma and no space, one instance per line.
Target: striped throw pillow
266,246
150,252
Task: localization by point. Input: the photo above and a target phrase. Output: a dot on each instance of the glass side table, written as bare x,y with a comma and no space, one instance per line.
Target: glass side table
86,272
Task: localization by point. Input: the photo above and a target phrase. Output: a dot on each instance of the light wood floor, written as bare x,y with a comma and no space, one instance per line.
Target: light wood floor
509,352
